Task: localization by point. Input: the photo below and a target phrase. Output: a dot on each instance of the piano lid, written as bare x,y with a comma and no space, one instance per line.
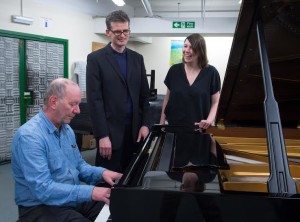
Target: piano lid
242,95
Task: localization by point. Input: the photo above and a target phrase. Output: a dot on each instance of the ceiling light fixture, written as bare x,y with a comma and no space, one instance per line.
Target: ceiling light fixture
20,18
119,2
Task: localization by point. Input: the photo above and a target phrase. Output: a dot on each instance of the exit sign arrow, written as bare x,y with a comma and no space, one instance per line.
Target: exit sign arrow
176,24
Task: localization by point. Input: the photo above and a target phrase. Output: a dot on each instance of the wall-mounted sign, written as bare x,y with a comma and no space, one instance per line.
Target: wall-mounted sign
45,22
183,25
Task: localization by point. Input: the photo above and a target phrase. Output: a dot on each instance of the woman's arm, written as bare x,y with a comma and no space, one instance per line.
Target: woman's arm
205,124
214,107
165,102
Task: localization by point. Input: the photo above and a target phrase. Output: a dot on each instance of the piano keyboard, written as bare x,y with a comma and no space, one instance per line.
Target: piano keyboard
104,215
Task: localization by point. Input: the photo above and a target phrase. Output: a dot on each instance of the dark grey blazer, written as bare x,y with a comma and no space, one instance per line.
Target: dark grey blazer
107,94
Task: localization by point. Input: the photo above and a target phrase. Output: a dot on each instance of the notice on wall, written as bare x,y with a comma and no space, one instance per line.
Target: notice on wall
80,73
46,22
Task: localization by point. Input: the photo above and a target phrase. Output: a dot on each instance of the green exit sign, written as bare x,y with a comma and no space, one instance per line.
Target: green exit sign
183,25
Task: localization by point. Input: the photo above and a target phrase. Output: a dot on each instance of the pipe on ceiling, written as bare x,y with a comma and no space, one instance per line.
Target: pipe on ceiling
203,8
147,7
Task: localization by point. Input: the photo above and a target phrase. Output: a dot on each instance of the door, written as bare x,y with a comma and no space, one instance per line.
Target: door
9,94
44,62
28,63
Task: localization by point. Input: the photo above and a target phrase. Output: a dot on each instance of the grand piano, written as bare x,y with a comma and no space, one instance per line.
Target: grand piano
247,167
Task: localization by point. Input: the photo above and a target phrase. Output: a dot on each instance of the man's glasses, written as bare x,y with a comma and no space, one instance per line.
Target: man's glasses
119,32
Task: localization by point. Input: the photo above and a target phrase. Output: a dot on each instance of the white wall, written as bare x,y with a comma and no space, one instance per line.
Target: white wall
157,56
79,29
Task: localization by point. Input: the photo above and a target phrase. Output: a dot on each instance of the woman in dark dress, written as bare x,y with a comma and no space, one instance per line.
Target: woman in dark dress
193,88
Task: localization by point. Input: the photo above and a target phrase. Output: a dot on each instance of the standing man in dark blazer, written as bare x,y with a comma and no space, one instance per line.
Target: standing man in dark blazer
117,96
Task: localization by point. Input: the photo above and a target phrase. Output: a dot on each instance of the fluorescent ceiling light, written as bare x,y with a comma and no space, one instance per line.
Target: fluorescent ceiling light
119,2
21,19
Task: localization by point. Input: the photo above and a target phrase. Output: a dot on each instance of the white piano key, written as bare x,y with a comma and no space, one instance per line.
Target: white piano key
104,214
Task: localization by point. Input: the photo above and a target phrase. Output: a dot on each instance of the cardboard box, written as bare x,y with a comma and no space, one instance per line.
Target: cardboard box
88,142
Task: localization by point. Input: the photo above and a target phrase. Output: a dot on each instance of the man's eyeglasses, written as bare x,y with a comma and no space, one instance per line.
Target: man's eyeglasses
119,32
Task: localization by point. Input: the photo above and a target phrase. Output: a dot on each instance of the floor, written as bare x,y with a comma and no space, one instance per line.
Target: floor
8,209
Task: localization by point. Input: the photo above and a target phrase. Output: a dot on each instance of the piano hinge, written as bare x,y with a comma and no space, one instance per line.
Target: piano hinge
220,124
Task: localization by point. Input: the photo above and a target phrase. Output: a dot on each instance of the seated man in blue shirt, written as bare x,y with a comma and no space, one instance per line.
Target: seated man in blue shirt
48,167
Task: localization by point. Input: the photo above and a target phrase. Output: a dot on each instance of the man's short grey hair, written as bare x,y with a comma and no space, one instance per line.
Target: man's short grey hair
57,88
116,16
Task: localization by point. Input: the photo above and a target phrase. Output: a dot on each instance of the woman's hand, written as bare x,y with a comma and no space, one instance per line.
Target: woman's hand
203,124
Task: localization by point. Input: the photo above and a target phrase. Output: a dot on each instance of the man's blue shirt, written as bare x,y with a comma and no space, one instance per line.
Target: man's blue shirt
48,167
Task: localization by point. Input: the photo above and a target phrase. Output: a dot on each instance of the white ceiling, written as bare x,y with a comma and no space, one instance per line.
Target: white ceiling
187,8
160,8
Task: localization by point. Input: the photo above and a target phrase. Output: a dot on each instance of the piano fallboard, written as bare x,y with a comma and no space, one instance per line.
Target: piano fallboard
163,204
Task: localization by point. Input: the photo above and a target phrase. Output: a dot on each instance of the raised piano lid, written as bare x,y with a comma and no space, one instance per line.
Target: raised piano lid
270,46
242,97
